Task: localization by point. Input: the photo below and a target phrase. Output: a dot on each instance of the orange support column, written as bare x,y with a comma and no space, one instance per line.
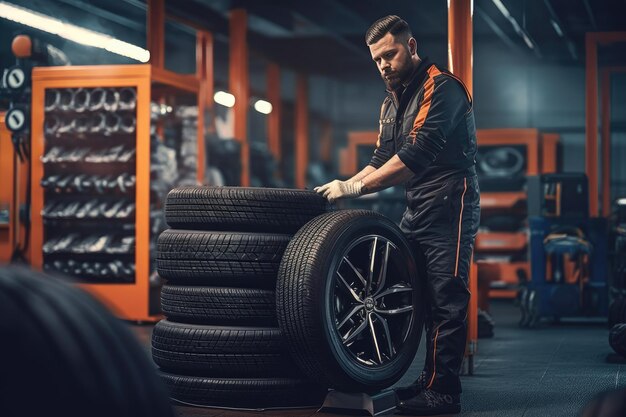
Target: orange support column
302,130
204,72
591,127
273,121
460,50
606,142
460,43
238,84
156,32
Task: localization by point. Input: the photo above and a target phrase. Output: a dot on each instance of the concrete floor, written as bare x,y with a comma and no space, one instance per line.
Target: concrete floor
550,371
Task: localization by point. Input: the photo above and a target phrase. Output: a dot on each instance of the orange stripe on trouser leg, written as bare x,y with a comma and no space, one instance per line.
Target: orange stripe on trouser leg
458,243
432,379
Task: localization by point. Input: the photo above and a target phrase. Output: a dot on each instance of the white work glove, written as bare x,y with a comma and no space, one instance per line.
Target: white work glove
336,189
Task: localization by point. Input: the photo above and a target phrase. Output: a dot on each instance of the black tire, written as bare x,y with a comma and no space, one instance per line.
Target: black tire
65,354
219,305
190,349
617,339
246,392
305,301
273,210
220,258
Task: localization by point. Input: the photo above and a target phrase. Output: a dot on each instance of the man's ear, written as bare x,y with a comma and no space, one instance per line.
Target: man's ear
412,46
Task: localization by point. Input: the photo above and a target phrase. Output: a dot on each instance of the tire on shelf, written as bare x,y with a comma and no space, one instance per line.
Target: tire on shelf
327,315
275,210
218,305
617,339
220,258
243,392
191,349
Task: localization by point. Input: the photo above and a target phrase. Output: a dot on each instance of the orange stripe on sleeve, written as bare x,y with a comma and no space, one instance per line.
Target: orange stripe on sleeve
429,87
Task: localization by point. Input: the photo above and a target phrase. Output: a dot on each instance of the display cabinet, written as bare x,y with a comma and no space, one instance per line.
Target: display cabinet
96,196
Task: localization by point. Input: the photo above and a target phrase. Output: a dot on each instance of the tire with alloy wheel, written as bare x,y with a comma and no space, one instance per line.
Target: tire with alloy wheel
247,209
349,302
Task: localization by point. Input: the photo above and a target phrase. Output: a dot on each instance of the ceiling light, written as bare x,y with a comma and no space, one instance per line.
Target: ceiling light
263,106
556,27
224,98
72,32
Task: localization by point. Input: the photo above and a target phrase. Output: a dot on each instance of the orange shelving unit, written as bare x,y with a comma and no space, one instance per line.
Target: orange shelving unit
132,299
539,152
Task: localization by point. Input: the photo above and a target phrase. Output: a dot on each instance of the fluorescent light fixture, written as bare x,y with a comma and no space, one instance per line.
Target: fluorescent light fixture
72,32
263,106
621,202
224,98
528,41
556,27
502,8
505,12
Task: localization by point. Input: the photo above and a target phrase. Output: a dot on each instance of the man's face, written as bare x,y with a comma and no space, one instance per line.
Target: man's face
393,60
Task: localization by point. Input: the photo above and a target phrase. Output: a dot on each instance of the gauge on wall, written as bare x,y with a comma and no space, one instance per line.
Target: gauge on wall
16,119
14,78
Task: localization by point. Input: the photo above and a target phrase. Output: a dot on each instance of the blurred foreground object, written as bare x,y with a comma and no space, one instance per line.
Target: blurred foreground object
65,354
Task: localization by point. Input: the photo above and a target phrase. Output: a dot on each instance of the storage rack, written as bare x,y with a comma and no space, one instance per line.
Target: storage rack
129,293
493,249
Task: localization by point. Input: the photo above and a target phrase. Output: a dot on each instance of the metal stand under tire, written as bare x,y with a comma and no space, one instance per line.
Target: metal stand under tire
359,403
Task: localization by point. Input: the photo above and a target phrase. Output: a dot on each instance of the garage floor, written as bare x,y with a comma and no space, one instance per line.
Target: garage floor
551,371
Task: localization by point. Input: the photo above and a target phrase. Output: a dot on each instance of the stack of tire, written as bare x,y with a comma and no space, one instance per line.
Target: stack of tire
220,344
257,317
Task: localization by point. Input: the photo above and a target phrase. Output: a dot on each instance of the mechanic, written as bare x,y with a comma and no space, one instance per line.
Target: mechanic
427,140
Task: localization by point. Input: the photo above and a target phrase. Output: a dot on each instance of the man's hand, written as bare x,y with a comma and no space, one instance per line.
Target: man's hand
336,189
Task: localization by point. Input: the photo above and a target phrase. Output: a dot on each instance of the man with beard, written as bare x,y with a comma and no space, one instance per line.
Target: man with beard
427,140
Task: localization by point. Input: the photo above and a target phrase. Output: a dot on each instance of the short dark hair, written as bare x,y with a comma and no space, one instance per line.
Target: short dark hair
393,24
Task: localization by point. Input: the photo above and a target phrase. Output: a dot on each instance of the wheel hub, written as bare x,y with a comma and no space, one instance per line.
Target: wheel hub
373,304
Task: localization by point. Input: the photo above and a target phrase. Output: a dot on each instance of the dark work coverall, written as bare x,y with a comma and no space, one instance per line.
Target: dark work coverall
429,124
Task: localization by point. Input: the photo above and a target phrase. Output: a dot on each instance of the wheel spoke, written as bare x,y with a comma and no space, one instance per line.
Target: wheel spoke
356,271
400,310
371,321
370,274
349,288
393,290
355,310
382,277
373,332
348,337
383,321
